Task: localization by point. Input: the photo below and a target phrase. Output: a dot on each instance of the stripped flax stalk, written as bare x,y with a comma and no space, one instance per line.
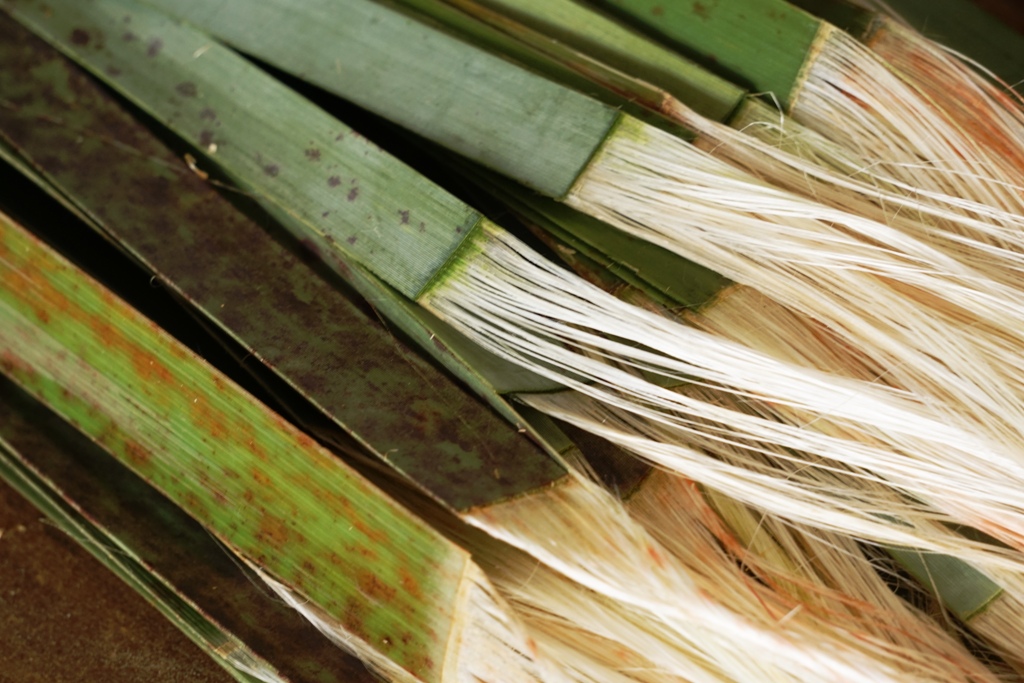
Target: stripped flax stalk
274,165
831,175
789,565
555,24
82,187
898,134
823,78
502,249
936,224
941,225
466,458
955,250
406,601
979,607
965,228
629,139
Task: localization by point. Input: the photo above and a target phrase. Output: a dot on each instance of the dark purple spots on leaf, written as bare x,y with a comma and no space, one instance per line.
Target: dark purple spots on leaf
423,226
207,114
154,48
351,240
325,214
206,138
405,217
313,154
272,170
334,181
80,37
129,37
353,194
339,137
186,89
458,228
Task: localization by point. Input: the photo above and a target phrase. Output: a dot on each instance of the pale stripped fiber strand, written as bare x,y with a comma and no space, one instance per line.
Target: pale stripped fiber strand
533,313
581,523
882,628
949,332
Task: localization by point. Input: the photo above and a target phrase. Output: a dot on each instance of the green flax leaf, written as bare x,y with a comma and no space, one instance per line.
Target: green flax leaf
263,488
267,297
157,549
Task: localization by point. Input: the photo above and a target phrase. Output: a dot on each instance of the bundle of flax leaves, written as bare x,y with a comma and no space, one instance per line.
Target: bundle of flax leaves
525,341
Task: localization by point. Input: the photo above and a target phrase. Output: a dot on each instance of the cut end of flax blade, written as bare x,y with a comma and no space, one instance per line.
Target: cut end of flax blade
487,643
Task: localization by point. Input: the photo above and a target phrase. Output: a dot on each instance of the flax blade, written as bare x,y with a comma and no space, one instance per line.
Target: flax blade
487,246
269,298
206,445
157,549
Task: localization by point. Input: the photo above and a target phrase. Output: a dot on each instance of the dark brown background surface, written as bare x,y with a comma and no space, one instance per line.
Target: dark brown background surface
65,619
